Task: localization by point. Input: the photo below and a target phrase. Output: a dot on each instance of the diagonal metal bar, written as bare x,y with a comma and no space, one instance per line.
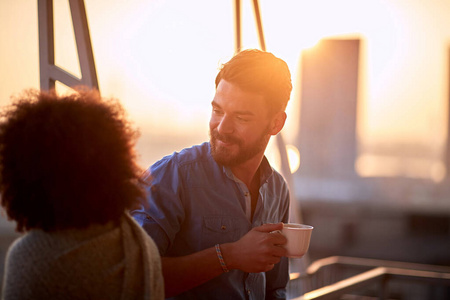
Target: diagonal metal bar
295,212
84,46
259,27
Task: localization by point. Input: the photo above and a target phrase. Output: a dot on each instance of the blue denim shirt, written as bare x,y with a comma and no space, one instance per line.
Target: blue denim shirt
195,203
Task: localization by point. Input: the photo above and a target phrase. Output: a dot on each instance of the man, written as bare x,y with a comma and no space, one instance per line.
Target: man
215,209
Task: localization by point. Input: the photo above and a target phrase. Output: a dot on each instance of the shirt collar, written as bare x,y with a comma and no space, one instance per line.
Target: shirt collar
266,172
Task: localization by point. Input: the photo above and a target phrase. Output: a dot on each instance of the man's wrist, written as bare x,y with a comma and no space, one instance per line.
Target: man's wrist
221,260
227,255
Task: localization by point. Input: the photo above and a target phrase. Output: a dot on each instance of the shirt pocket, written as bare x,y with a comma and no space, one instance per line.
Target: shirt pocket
219,230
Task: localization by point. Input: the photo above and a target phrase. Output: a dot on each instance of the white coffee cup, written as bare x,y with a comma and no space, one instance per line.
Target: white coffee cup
298,237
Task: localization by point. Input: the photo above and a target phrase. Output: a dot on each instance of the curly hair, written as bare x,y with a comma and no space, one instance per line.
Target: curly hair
260,72
67,161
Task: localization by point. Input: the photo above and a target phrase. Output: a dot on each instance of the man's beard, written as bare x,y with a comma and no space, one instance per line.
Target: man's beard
225,157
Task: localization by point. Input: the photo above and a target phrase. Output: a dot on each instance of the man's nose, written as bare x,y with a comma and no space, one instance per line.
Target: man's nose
226,125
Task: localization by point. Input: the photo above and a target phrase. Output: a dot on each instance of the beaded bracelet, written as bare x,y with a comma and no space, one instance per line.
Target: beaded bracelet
222,262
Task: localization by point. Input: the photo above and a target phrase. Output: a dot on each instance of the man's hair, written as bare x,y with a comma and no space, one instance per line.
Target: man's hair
261,72
66,161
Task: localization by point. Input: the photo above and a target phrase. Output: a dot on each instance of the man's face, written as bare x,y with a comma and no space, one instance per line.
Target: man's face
240,125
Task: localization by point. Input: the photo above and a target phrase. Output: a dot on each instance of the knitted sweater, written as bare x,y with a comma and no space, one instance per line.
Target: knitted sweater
100,262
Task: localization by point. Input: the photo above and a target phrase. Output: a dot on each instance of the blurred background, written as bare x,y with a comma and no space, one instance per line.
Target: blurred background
367,129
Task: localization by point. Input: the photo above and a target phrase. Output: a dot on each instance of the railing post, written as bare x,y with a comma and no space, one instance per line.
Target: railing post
384,287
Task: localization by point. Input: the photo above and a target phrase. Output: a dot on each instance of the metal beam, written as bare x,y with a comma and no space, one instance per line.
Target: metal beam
381,276
257,12
46,43
237,26
295,210
49,72
84,46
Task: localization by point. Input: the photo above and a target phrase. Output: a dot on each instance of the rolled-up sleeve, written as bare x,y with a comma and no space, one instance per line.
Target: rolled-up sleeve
163,213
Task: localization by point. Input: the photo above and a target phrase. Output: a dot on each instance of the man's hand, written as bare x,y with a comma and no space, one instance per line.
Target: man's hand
257,251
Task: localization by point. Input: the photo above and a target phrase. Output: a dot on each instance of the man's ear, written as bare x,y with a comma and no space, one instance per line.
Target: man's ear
278,122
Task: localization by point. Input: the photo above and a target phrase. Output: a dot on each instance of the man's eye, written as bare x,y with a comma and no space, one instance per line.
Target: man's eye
242,119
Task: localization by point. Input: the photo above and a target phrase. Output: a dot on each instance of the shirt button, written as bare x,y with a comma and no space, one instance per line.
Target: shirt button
248,292
246,194
147,217
223,227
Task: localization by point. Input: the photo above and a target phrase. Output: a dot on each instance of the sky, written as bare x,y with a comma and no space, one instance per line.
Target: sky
160,59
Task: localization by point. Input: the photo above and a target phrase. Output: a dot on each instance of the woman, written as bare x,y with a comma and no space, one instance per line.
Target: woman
68,176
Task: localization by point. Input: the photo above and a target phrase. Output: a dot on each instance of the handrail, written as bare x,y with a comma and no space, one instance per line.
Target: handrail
341,287
378,275
372,263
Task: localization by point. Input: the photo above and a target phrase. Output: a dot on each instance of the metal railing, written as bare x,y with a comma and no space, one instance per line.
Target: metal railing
325,278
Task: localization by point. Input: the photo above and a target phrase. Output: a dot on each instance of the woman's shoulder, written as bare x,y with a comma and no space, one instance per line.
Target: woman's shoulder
33,245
